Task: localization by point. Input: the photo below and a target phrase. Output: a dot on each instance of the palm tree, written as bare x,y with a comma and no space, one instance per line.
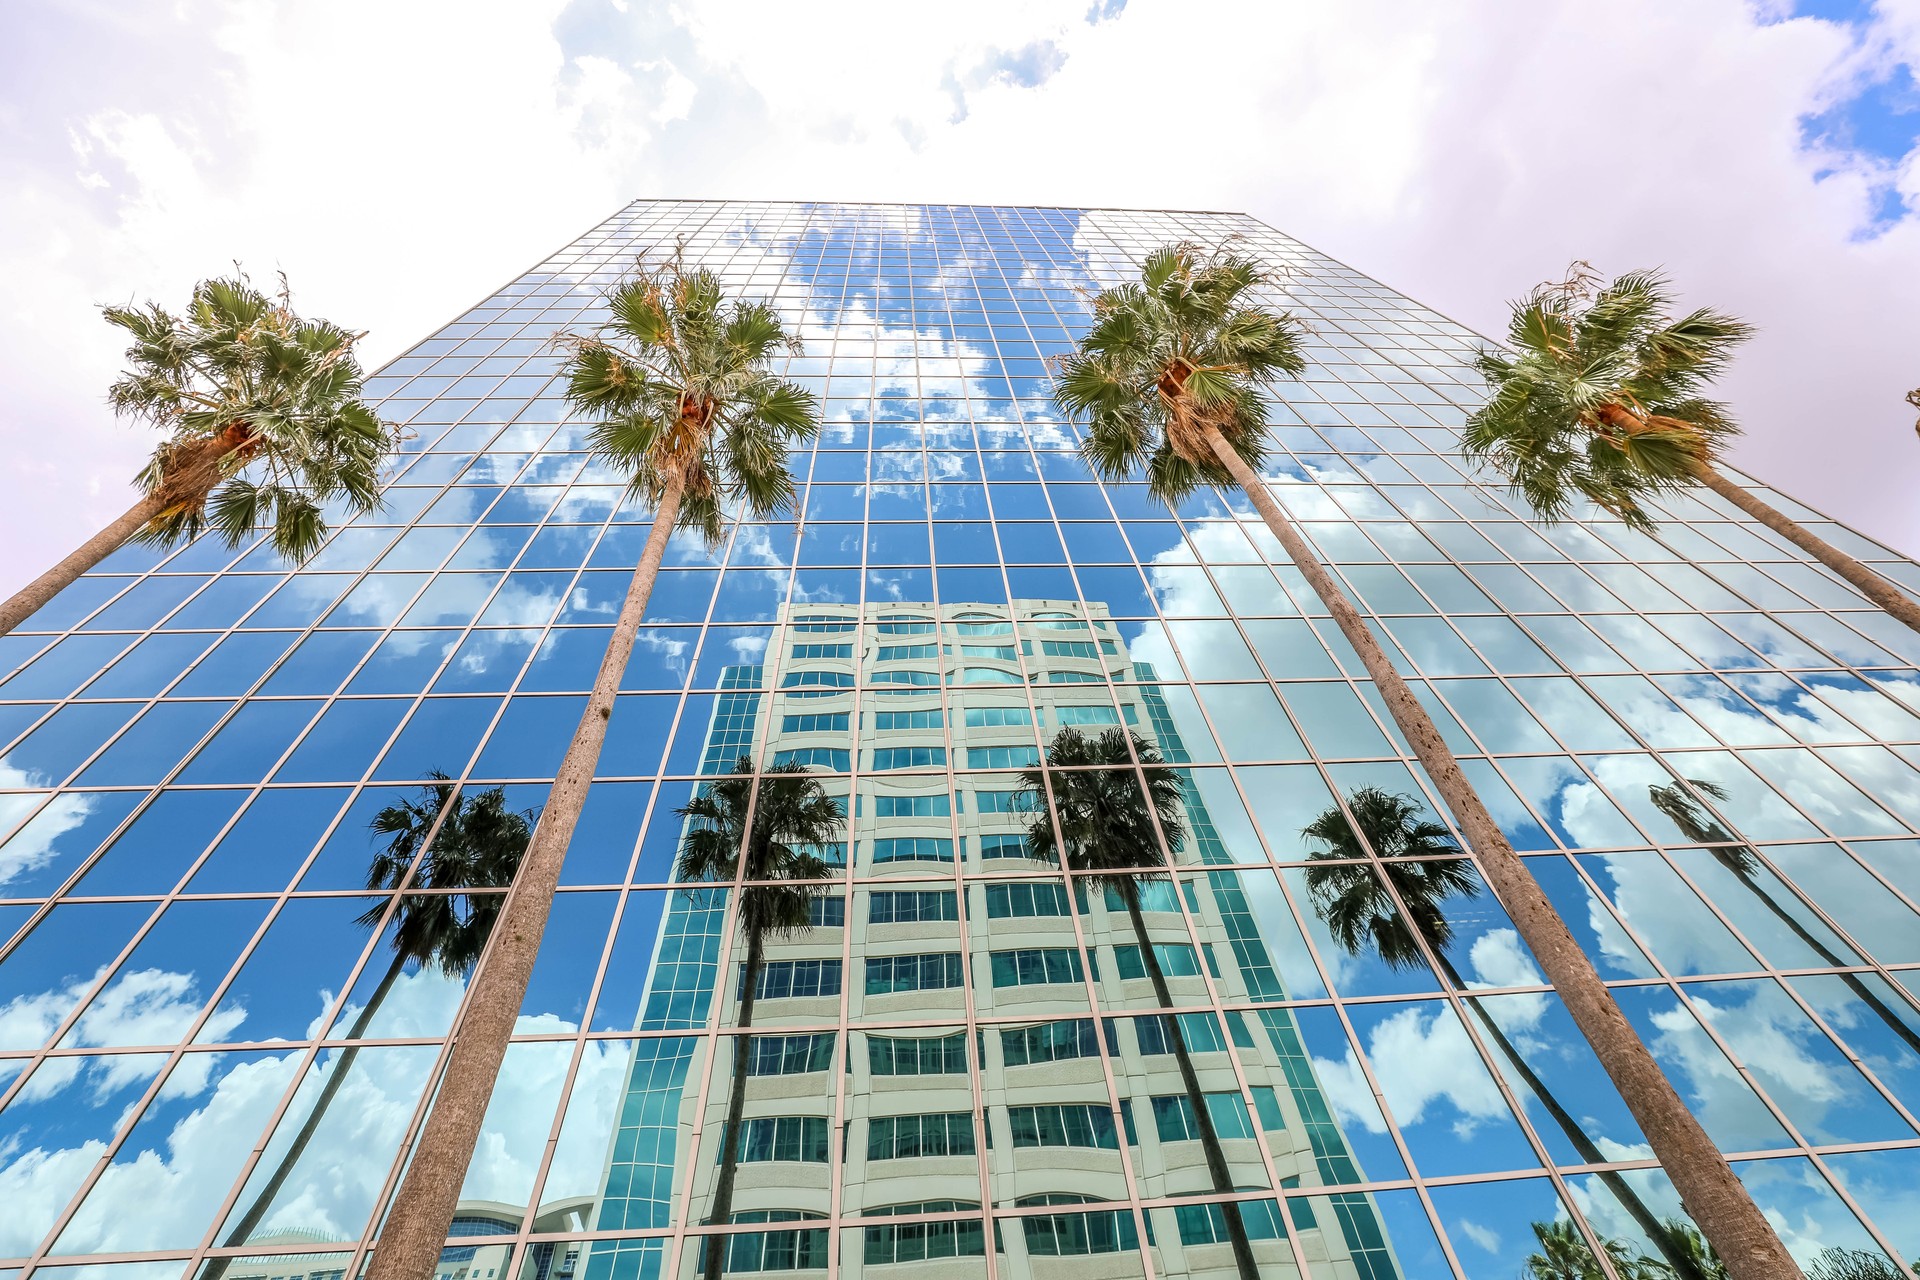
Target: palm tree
682,388
1840,1263
1172,375
1603,401
775,858
1698,1257
1696,823
1565,1255
479,846
263,425
1106,829
1423,865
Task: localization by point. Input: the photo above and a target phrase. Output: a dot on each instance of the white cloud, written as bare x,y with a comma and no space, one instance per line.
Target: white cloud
1727,1107
1421,1055
1485,1237
170,1177
32,846
521,1113
440,157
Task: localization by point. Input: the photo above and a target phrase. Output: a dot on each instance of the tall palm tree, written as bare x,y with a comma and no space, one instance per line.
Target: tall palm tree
1422,864
773,854
1603,399
1106,828
479,846
1172,375
1698,824
263,425
1565,1255
680,383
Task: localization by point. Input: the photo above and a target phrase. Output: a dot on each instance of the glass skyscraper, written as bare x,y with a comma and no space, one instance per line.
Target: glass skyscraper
211,1062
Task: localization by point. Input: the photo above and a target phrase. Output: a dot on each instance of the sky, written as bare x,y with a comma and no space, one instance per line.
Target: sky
398,159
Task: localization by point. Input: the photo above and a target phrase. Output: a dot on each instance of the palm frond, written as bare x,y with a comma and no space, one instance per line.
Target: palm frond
764,838
262,413
1419,858
1600,401
478,846
681,386
1180,352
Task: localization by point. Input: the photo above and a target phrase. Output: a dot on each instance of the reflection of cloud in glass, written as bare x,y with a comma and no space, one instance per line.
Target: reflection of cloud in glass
1421,1055
32,846
521,1111
1711,1085
1803,1209
1487,1239
168,1190
142,1007
163,1196
1675,923
520,605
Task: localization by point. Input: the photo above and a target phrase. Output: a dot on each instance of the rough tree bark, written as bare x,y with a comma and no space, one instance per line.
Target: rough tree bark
192,472
1709,1190
416,1229
27,601
1643,1217
1870,584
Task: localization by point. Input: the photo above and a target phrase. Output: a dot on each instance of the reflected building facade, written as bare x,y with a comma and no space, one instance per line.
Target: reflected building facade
1707,748
975,974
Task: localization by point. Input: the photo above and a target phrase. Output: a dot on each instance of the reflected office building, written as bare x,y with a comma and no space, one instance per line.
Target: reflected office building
213,1059
986,995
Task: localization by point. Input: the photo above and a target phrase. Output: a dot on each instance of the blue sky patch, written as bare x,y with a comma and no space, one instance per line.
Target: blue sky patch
1878,125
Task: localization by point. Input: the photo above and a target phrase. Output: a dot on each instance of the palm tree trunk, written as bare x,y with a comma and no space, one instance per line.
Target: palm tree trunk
1870,584
1894,1022
721,1210
422,1213
1203,1119
1643,1217
1712,1195
243,1229
25,602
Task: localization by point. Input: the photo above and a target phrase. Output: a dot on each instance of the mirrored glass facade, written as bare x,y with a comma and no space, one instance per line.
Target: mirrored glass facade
212,1056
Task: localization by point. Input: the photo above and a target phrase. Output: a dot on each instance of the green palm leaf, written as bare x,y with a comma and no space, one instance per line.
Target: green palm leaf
681,387
1599,400
1185,349
262,410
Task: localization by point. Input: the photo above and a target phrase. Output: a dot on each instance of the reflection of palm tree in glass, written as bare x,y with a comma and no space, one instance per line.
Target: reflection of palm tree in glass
1697,824
792,815
1172,378
1565,1255
688,407
1107,828
479,846
1424,865
1698,1257
1840,1263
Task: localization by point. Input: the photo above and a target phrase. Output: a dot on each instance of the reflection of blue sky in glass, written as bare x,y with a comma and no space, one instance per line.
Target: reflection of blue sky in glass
1576,667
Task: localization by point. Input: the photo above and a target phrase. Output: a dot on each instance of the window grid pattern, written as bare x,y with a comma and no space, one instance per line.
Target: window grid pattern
169,713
